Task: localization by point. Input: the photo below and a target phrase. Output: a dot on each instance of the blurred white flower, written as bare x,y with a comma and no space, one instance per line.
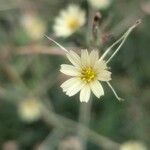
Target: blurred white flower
145,5
100,4
69,21
86,72
133,145
33,25
70,143
10,145
29,109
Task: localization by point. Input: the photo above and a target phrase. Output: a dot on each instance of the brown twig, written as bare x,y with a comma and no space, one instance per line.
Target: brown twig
39,49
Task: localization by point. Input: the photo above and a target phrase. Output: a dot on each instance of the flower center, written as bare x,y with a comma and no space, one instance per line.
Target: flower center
73,23
88,74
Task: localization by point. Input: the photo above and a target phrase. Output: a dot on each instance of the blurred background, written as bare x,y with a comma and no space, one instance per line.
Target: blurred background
34,112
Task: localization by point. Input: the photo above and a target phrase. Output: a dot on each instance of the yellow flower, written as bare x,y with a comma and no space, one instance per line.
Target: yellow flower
133,145
29,110
69,21
100,4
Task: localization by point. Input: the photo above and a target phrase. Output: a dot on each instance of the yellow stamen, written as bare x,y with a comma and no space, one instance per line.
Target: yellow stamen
88,74
73,23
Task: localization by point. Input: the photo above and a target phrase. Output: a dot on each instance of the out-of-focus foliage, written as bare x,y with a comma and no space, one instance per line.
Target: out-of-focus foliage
29,67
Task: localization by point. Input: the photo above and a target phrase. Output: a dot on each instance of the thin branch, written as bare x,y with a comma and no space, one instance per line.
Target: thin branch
116,95
84,118
39,49
123,39
59,45
66,124
51,141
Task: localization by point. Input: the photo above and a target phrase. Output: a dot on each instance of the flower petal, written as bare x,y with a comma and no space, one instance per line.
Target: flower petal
104,75
69,70
85,94
74,58
67,84
93,57
100,65
75,88
85,58
97,89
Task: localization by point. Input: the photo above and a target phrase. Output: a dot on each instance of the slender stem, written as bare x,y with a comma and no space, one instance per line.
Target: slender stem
116,95
54,119
52,140
84,118
123,39
109,48
64,49
85,108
